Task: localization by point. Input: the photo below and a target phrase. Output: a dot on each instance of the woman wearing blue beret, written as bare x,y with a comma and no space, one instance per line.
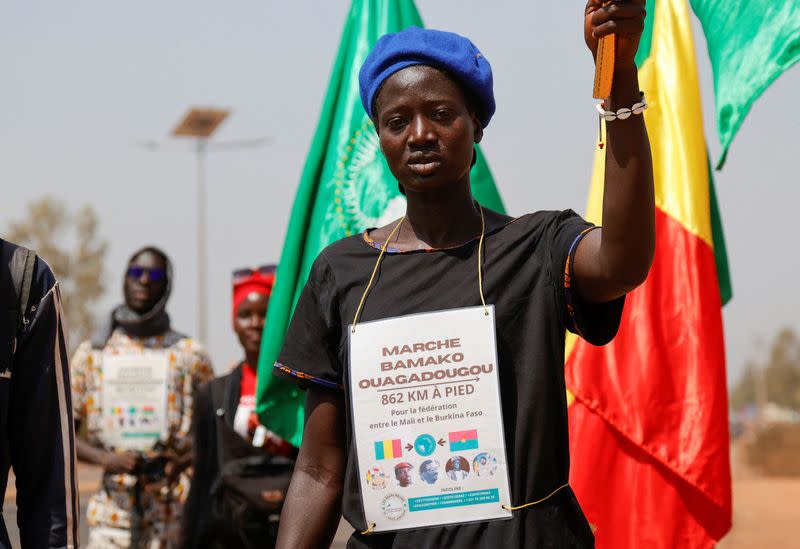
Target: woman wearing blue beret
429,94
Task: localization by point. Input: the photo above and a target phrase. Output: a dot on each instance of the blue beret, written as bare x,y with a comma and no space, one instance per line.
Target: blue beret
438,49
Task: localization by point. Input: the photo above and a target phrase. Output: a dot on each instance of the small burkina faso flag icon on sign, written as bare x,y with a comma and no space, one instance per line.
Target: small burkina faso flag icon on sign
388,449
463,440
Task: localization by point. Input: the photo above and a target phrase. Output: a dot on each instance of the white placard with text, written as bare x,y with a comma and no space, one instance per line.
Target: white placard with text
427,419
134,415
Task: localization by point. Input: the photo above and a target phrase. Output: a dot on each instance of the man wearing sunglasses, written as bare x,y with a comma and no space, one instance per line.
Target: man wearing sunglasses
132,388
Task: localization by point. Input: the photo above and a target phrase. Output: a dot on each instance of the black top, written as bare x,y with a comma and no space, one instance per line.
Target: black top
36,431
196,527
525,267
215,444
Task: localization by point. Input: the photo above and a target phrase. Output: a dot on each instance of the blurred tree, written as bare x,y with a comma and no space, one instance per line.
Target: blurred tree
783,370
71,246
744,393
781,375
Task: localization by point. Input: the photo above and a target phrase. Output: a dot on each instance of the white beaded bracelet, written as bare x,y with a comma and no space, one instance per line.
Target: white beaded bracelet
624,112
621,114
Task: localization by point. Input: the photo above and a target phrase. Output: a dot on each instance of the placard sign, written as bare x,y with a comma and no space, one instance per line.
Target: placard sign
134,415
427,419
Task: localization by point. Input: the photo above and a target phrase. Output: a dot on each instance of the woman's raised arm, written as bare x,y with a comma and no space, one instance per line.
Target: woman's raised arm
614,260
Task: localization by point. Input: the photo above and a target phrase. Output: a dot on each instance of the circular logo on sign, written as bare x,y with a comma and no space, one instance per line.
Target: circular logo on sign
425,445
394,506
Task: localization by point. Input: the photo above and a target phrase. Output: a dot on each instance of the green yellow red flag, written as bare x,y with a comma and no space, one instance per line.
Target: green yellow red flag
648,412
345,188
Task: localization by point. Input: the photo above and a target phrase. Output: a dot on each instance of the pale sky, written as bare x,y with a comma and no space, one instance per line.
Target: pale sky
84,83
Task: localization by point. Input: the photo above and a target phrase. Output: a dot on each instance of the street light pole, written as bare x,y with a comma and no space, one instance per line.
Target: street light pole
202,241
199,124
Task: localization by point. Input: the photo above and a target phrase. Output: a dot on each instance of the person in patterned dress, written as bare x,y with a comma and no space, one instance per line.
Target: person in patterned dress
142,446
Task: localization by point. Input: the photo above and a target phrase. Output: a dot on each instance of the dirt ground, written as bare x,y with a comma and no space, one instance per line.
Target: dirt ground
766,511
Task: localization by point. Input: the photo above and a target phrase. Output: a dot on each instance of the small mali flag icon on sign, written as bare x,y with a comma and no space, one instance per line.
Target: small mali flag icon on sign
388,449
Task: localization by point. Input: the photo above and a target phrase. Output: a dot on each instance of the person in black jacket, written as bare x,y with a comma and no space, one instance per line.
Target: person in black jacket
232,398
36,434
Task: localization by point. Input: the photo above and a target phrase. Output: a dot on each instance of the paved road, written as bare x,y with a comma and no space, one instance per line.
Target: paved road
10,513
89,482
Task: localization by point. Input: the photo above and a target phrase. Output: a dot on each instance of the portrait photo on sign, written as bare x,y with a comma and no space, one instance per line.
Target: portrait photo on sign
484,464
376,478
404,474
457,468
429,471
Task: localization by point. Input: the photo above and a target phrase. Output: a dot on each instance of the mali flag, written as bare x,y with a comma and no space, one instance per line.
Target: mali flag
388,449
648,413
345,188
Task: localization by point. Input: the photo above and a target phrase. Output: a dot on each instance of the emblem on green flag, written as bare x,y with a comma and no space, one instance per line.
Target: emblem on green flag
359,203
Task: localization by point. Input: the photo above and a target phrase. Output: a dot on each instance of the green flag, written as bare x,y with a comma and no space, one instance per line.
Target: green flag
345,188
750,43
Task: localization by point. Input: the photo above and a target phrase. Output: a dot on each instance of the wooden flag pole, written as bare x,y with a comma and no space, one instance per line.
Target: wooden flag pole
604,65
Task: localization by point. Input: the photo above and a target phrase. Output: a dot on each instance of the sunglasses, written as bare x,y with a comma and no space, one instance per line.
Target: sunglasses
154,275
247,272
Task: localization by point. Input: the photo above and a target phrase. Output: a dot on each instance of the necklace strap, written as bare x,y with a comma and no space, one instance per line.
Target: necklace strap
480,261
383,251
374,271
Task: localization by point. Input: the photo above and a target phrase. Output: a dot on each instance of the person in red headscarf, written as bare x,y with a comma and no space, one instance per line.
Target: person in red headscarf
251,291
226,427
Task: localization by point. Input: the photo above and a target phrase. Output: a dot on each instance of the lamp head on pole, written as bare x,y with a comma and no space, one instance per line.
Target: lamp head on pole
200,122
